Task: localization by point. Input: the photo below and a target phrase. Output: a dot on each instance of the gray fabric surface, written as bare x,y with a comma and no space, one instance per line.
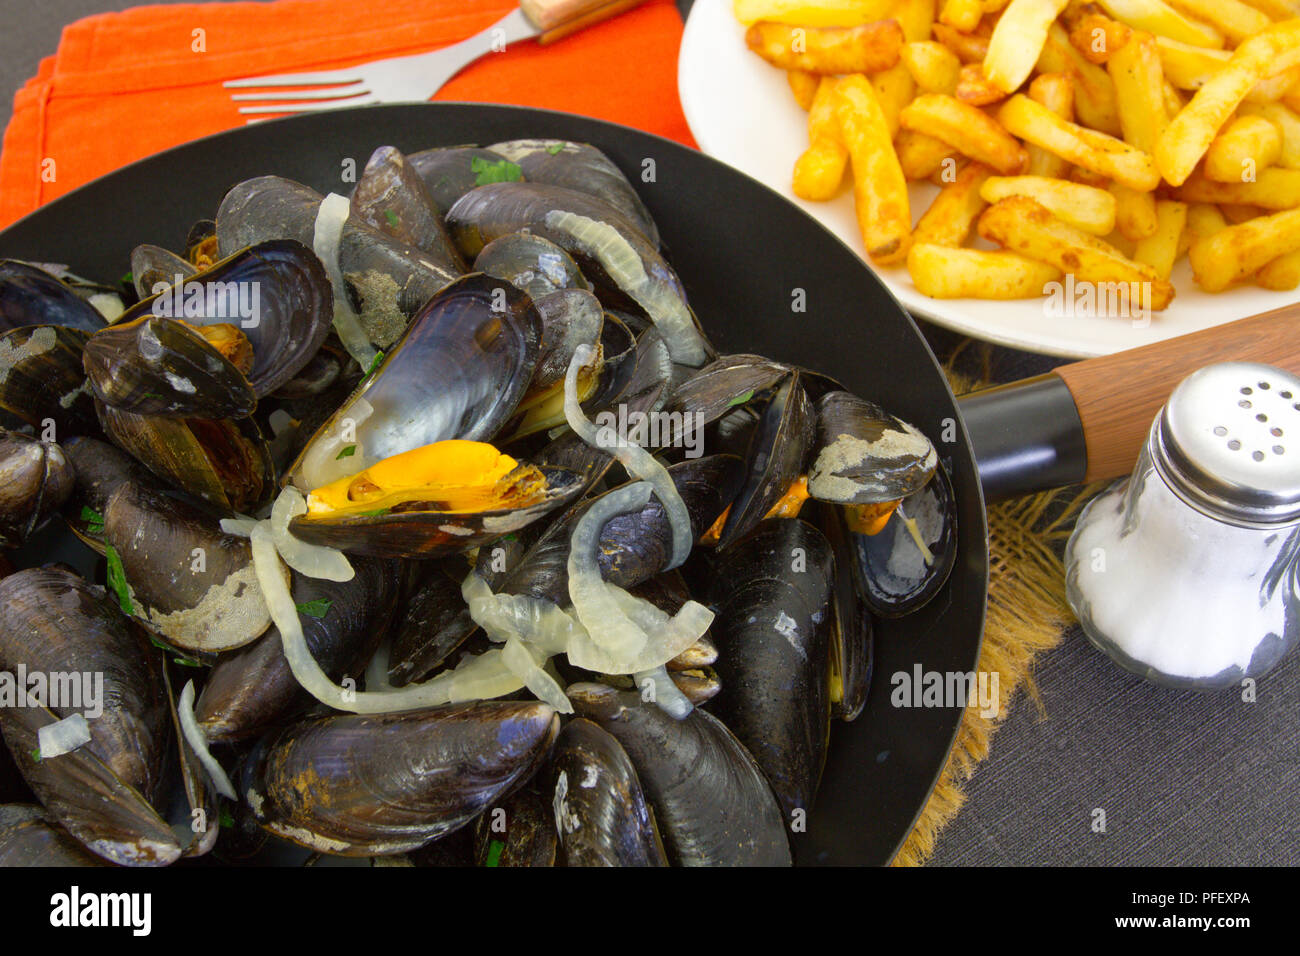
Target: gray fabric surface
1183,778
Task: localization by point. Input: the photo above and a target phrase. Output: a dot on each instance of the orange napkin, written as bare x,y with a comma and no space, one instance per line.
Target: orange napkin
126,85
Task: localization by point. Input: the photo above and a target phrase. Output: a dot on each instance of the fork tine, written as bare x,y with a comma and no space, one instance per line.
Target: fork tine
321,93
322,78
307,107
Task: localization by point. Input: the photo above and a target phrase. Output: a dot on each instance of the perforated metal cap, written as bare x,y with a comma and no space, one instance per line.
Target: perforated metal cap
1228,443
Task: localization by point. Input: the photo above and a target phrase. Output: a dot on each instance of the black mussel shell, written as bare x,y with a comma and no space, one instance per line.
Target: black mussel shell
42,381
36,478
31,296
100,468
853,634
391,197
533,264
516,831
154,269
728,383
431,623
698,685
29,838
864,455
712,803
354,785
892,575
451,171
772,593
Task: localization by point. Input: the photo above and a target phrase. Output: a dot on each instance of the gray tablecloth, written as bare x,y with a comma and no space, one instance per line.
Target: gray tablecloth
1183,778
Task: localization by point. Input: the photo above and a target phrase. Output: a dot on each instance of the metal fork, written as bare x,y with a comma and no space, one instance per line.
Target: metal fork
417,77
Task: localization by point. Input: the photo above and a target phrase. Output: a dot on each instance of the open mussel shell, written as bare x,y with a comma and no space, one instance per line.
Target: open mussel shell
727,383
772,592
354,785
42,381
391,197
105,791
28,837
712,803
253,689
99,468
36,478
600,810
31,296
582,168
775,458
893,575
226,462
458,372
154,269
536,265
182,576
853,631
516,831
451,171
157,366
387,281
864,455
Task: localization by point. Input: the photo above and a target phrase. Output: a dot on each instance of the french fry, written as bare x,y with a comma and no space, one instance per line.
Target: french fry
1139,91
1237,213
1273,188
1022,225
968,47
1277,9
1174,101
934,68
895,88
813,13
1159,18
974,88
827,50
1098,37
944,272
1246,145
1282,274
1190,67
1085,147
1084,207
1135,212
952,215
1233,19
879,189
819,171
1094,91
1238,252
916,17
921,156
1203,220
967,129
1160,249
1190,133
1018,41
1123,243
803,86
1287,122
963,15
1056,92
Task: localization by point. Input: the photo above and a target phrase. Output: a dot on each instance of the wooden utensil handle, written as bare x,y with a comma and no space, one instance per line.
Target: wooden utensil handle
1118,396
559,18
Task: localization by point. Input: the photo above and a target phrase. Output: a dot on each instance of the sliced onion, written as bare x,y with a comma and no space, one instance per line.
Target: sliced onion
327,239
633,457
239,527
668,695
198,742
665,637
524,664
593,599
63,736
481,678
324,461
312,560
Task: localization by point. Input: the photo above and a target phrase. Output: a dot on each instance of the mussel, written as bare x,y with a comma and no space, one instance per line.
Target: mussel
31,296
516,831
865,455
391,197
29,838
36,478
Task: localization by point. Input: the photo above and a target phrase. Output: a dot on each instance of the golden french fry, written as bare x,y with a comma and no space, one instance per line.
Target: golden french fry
1282,274
1160,249
1247,145
966,128
1084,207
1084,147
968,47
1277,9
1056,92
1174,101
1094,91
827,50
879,189
921,156
1123,243
915,17
963,15
1190,133
934,68
1203,219
952,215
1190,67
1240,251
1097,37
1135,212
812,13
894,89
1237,213
803,86
819,171
1157,17
1018,40
974,88
1273,188
1024,226
1287,122
945,272
1233,19
1139,91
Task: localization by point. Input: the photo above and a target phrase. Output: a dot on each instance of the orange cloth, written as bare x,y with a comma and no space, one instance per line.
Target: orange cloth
126,85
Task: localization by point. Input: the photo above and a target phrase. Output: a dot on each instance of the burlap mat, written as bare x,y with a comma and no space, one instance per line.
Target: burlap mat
1027,614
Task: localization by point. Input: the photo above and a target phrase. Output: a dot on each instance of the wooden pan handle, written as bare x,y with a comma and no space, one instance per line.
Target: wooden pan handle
559,18
1118,396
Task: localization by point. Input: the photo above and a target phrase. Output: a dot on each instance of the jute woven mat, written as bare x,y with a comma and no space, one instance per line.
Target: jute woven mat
1027,614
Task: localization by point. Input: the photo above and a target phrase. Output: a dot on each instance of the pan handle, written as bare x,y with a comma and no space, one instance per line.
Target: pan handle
1088,420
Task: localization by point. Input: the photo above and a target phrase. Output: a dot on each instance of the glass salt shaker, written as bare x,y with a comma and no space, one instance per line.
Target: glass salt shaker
1185,573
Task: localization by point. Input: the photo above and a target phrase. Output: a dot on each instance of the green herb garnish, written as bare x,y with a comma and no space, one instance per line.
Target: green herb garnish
555,149
494,852
741,399
391,217
372,514
502,171
318,608
128,278
176,655
374,364
225,819
347,452
117,579
94,520
36,754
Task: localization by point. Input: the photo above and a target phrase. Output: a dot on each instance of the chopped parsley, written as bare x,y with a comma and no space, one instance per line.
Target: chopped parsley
391,217
94,520
502,171
555,149
347,452
741,399
117,579
318,608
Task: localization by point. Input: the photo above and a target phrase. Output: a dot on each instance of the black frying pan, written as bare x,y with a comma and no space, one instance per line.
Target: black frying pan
741,251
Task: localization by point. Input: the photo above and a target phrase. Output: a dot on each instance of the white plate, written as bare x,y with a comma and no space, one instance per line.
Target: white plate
741,111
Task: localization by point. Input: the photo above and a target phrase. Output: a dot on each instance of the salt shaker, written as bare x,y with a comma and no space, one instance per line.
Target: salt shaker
1185,573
